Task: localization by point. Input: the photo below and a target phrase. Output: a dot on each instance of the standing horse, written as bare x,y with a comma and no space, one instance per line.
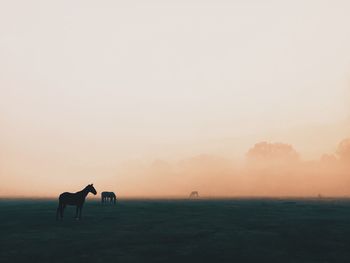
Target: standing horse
76,199
105,196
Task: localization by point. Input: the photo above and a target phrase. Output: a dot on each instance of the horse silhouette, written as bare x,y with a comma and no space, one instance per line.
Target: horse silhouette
194,194
76,199
105,196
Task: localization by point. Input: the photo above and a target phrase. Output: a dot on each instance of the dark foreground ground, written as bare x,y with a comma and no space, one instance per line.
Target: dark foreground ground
257,230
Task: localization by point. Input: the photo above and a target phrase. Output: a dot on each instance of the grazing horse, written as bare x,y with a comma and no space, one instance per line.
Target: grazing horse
194,194
76,199
105,196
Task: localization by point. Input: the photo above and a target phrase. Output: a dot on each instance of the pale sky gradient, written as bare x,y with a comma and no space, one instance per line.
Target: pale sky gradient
86,85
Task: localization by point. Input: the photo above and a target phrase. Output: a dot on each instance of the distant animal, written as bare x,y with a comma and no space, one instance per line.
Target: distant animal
194,194
76,199
108,196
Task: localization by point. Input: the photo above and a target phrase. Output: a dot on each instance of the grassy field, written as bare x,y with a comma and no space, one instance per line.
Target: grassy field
237,230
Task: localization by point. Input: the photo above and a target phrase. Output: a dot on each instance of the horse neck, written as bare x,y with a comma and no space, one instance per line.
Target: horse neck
84,192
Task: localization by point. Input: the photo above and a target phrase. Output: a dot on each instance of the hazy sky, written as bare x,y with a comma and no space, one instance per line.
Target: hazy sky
85,85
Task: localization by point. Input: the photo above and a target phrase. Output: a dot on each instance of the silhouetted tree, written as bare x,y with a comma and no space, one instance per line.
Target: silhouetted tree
265,155
272,151
343,150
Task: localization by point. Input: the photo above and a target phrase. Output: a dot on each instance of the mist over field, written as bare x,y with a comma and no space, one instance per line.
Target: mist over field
269,169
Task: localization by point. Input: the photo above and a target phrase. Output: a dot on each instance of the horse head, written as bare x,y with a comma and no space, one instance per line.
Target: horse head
91,189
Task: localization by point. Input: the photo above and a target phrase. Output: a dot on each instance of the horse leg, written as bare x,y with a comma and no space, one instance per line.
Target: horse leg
80,208
76,212
58,210
62,210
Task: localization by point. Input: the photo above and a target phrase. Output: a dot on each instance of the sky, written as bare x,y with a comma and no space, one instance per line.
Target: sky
88,86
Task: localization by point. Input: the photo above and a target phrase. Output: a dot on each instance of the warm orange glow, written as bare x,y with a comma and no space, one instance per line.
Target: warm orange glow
276,172
162,98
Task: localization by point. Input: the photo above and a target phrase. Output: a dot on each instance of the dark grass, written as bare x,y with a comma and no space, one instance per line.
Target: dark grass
239,230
